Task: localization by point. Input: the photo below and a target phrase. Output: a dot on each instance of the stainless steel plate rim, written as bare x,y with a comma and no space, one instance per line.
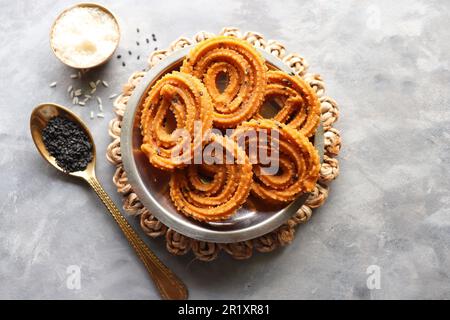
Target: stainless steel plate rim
178,222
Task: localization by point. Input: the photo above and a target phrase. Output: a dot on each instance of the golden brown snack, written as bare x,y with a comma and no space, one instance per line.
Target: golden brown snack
187,99
211,192
300,107
298,161
245,71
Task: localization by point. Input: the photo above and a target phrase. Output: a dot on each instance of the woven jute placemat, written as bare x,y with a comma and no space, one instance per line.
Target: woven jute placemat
179,244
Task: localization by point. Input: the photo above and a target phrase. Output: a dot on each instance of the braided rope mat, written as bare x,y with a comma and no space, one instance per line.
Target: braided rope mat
179,244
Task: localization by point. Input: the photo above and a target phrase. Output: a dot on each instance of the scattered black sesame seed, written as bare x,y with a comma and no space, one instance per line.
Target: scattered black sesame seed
129,52
137,42
153,35
138,57
146,40
156,48
137,30
123,64
67,142
119,56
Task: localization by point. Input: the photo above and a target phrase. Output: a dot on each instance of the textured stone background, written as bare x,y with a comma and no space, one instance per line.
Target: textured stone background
386,64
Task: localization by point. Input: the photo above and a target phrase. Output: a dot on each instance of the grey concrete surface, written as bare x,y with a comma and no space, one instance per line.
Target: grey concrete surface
387,64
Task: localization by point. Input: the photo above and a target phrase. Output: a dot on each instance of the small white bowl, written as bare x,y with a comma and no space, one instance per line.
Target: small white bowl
70,63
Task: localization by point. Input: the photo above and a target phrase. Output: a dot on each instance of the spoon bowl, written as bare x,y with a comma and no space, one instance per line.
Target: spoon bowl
40,116
167,283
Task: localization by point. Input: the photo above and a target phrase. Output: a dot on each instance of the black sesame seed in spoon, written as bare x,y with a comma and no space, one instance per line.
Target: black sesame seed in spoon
67,142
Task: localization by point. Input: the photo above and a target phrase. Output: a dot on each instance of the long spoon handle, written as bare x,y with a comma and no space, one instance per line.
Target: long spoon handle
168,284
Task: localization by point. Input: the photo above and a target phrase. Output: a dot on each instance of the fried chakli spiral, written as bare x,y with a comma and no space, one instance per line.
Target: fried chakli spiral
298,161
212,192
300,107
246,75
187,99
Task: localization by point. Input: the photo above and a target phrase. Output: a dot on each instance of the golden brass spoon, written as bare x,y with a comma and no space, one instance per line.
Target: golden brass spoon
168,284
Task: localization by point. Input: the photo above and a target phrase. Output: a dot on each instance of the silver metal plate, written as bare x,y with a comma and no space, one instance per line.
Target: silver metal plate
151,185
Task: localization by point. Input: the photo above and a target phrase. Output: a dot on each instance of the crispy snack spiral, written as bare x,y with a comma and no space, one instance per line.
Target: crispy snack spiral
298,166
212,192
187,99
300,107
246,75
